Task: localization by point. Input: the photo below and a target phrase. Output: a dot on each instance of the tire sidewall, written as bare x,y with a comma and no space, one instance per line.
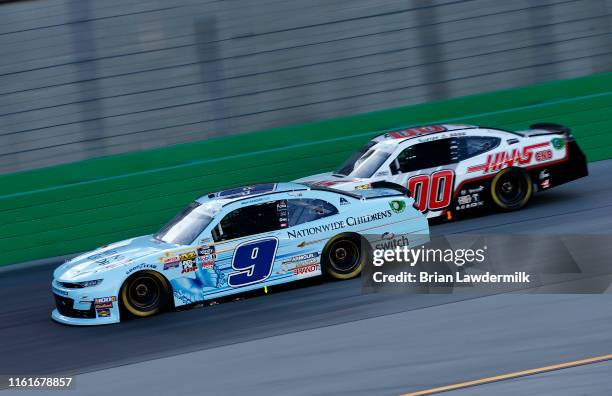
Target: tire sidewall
527,196
164,300
327,268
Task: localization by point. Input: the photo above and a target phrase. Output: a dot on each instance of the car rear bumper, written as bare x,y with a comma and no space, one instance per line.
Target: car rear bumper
574,167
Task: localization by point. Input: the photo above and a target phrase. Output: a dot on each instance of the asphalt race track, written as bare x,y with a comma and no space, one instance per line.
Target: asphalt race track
329,338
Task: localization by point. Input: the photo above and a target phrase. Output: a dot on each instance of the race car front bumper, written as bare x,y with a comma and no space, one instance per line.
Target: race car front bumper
85,307
58,317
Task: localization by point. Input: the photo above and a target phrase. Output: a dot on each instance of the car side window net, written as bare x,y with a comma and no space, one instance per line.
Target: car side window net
425,155
250,220
306,210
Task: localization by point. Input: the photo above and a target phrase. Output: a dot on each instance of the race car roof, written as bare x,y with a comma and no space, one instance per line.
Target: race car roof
414,132
237,193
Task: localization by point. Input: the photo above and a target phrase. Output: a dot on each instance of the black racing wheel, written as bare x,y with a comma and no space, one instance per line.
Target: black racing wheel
343,257
511,188
145,293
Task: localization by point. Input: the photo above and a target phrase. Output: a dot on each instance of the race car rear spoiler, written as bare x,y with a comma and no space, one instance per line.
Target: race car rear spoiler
545,128
379,189
392,186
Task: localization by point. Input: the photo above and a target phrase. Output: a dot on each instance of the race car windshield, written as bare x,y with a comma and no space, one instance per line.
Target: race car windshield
365,162
185,226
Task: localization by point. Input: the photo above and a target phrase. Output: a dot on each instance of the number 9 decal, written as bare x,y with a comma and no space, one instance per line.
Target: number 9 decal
253,262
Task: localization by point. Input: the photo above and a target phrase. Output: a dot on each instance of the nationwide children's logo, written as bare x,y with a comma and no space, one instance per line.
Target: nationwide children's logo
397,206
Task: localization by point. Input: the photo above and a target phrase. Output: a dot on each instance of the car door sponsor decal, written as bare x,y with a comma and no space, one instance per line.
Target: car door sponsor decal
207,256
282,213
501,159
350,221
170,262
188,262
302,264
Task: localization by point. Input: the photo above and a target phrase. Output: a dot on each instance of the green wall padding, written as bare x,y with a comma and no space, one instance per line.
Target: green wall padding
75,207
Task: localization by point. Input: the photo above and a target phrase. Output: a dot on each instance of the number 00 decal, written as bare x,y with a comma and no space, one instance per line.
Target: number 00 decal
253,262
432,192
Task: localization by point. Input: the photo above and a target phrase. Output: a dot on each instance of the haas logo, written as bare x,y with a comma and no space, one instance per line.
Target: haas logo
499,160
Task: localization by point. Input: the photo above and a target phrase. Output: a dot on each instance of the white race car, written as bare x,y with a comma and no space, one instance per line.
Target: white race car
450,169
234,241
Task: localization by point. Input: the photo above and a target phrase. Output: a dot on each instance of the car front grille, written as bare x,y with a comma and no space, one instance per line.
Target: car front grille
65,306
69,285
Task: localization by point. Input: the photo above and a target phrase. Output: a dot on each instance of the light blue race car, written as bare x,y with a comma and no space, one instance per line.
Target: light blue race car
234,241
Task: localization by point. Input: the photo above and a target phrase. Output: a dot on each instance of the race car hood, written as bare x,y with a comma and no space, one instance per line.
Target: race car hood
329,179
119,254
